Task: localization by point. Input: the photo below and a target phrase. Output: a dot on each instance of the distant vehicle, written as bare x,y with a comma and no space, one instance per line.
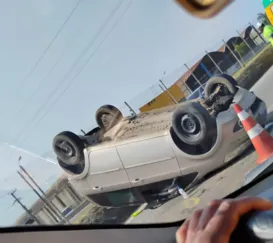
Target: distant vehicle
66,211
144,158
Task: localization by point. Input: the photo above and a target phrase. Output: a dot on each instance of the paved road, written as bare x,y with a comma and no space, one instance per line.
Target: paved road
217,186
263,88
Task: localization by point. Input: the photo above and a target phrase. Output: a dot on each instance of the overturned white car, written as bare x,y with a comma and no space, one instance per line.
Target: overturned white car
131,160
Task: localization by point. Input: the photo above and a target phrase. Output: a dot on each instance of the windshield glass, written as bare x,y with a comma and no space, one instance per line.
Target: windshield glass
121,111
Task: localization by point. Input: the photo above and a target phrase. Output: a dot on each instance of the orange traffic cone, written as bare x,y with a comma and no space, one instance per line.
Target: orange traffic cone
260,138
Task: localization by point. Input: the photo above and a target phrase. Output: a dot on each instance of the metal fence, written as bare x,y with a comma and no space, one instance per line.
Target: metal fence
229,55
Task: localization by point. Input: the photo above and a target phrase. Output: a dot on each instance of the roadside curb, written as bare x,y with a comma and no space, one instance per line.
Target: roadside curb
138,211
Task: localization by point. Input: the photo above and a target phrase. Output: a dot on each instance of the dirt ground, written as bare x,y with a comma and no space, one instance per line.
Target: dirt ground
255,68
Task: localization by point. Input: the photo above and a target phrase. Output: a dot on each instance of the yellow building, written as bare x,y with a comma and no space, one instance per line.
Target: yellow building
164,99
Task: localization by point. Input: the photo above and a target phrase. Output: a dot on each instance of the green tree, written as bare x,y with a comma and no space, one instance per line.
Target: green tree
262,18
241,49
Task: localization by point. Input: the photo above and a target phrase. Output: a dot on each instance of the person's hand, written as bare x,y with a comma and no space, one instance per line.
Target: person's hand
215,223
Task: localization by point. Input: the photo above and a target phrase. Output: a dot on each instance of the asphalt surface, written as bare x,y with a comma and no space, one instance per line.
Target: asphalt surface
263,88
216,186
110,215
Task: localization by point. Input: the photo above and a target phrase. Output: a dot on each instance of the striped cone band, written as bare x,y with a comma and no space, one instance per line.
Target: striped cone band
255,131
252,128
263,145
247,121
260,138
237,108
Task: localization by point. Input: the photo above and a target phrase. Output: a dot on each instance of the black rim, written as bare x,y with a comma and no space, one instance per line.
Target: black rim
65,148
190,126
106,119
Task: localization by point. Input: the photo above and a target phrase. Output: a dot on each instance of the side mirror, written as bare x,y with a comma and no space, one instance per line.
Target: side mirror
203,8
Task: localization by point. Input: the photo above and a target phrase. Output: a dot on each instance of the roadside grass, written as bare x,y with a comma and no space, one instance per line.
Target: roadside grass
255,68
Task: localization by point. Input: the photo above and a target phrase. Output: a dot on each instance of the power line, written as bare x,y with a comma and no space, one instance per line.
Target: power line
38,87
37,113
74,65
19,201
75,77
77,61
51,211
51,42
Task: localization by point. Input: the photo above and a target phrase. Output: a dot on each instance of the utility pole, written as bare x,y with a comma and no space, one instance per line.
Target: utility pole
246,43
131,109
51,211
50,205
258,33
197,80
18,200
174,102
215,64
169,93
238,60
239,54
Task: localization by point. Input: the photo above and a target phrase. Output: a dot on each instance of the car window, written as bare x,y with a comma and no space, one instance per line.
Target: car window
121,111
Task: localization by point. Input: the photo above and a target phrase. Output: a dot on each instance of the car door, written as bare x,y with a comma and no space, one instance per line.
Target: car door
148,160
106,171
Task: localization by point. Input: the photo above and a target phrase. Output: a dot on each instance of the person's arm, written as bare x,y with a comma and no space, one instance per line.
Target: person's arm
215,223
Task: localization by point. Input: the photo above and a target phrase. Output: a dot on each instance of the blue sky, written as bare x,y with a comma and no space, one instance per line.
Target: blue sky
148,37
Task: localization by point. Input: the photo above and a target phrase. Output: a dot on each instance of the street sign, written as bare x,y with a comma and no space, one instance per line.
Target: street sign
268,8
267,3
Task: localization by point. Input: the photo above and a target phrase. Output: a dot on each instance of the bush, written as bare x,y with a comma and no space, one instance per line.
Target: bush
241,49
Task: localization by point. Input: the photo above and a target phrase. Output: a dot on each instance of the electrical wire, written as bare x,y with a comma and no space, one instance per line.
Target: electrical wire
75,77
54,91
77,61
79,72
41,82
39,110
51,43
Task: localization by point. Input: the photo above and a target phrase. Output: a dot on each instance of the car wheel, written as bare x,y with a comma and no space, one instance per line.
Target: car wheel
193,124
222,79
69,148
108,116
71,169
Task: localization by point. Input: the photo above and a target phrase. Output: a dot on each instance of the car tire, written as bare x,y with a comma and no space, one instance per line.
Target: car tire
193,124
108,110
69,148
221,79
71,169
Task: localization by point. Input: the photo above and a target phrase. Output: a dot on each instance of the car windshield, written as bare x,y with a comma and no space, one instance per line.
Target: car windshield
129,111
